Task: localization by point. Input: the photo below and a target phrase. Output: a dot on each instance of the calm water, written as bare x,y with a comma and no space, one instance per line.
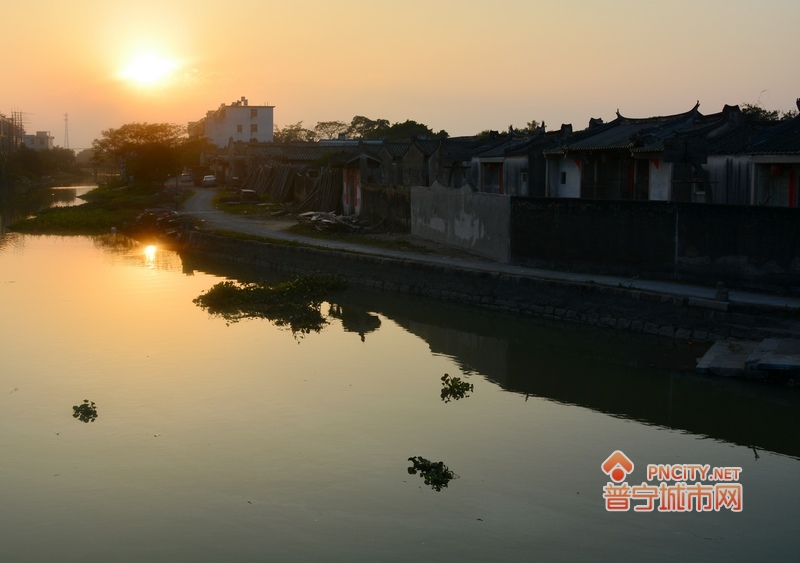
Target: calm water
244,442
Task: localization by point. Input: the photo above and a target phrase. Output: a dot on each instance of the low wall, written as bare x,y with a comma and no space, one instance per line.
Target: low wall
742,246
461,218
588,303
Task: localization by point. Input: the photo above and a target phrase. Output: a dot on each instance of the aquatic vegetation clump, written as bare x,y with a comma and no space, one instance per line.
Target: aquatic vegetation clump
295,303
453,388
435,473
85,412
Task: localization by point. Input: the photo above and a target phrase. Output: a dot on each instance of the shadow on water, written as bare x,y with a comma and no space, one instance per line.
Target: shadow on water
641,377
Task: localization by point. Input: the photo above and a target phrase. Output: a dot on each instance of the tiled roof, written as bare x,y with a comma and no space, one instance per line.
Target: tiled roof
782,139
628,133
426,146
396,149
459,148
505,148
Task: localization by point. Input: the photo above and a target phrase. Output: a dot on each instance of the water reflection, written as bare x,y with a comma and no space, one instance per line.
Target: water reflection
150,256
355,319
18,203
639,377
297,451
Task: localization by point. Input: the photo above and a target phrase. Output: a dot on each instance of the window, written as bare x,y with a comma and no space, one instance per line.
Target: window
238,128
253,128
253,112
563,178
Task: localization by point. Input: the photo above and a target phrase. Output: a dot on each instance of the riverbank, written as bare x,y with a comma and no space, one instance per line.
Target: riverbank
674,311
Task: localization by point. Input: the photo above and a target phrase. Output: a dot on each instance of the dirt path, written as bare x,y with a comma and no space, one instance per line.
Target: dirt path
200,205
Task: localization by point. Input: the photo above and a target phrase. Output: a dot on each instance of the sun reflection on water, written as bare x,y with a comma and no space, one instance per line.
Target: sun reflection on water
150,256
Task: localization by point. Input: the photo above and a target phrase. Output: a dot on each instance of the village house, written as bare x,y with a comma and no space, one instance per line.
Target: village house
238,121
725,158
624,159
755,162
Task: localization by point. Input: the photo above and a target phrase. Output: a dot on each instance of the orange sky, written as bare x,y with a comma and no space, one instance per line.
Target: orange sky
461,65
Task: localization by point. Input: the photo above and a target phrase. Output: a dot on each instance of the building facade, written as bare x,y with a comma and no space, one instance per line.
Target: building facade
41,141
238,121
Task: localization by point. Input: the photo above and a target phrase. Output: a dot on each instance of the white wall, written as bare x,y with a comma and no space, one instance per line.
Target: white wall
660,180
223,124
571,187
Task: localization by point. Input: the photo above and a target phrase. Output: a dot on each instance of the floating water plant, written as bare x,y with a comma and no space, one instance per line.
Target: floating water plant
453,388
435,473
295,303
85,412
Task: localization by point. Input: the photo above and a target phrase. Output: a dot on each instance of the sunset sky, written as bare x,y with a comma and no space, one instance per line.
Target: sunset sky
459,65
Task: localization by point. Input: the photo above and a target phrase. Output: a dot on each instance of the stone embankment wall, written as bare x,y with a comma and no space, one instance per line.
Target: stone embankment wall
614,307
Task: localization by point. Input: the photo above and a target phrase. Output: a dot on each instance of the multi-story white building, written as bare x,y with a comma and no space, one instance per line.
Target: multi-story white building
42,141
237,121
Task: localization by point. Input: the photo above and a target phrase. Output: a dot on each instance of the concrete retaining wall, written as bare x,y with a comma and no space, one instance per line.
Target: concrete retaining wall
613,307
461,218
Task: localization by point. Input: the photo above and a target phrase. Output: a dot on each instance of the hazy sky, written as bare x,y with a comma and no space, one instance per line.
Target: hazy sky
459,65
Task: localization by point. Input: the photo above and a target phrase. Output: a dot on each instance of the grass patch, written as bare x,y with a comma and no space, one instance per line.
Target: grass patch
230,202
105,207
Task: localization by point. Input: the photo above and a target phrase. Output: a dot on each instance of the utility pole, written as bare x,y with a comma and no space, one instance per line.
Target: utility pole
66,130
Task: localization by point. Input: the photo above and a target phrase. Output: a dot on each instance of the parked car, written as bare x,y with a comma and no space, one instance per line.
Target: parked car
209,180
186,178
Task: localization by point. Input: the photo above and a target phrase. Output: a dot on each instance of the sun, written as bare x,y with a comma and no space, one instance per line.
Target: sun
148,69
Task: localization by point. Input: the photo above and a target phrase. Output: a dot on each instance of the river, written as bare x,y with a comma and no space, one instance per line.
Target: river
219,441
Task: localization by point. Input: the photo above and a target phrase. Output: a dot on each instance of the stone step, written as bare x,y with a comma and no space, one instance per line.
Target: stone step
775,354
727,358
752,359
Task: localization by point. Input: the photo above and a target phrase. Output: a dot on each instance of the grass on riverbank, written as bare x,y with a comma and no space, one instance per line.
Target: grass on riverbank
105,207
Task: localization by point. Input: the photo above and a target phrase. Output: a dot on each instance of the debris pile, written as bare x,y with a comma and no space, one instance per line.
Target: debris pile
326,221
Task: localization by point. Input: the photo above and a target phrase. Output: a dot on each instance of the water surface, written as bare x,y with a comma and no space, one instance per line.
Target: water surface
244,442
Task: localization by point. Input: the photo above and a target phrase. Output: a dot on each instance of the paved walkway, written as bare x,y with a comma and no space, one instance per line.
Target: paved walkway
200,206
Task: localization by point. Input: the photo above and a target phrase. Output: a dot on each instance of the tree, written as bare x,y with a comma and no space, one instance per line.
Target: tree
532,127
329,129
147,151
758,112
365,128
294,132
409,129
